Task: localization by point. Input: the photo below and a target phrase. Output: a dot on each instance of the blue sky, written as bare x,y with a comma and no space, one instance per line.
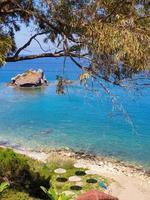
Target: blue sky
23,36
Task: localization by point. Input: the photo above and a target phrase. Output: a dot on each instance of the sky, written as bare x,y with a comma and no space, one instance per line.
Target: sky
23,36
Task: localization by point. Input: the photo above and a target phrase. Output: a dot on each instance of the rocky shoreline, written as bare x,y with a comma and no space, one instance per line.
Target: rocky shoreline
118,166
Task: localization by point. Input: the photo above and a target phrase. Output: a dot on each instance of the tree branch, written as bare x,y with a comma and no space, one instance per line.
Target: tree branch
28,43
92,72
41,46
43,55
80,66
11,11
30,57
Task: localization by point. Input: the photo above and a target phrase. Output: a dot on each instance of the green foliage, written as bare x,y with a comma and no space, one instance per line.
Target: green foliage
16,169
52,194
57,161
114,34
3,186
12,165
11,14
5,46
15,195
113,43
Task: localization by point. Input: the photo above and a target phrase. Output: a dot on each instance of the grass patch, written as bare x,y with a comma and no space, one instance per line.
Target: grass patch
26,175
57,161
15,195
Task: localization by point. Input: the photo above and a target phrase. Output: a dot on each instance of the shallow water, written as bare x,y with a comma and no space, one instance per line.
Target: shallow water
80,120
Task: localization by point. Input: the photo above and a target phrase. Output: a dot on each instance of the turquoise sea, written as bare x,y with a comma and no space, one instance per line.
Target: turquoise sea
80,119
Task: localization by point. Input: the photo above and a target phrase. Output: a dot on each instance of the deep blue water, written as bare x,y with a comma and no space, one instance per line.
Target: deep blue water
79,119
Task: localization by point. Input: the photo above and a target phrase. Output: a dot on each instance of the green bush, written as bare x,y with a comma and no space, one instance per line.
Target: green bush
15,195
12,165
53,195
16,169
3,186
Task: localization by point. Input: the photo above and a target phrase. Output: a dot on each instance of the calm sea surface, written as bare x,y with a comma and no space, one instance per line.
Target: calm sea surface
79,119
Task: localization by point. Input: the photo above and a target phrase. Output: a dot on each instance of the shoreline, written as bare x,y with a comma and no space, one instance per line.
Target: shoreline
129,182
43,154
78,154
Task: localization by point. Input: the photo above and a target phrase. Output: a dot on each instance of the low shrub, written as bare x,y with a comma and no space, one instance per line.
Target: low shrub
15,195
16,169
12,165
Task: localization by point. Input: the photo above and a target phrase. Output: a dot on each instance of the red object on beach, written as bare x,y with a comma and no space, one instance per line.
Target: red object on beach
96,195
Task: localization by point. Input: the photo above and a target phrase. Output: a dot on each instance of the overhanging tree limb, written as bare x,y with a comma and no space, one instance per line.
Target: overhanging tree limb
113,35
28,43
92,72
30,57
43,55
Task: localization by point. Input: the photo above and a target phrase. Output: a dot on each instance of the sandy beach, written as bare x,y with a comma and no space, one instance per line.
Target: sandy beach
128,182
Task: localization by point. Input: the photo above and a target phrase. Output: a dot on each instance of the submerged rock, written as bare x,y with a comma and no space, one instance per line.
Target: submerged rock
31,78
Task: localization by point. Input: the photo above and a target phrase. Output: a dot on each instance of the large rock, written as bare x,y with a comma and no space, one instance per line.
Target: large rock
30,78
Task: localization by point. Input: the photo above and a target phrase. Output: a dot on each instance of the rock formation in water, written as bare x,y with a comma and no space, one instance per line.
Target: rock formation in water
31,78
